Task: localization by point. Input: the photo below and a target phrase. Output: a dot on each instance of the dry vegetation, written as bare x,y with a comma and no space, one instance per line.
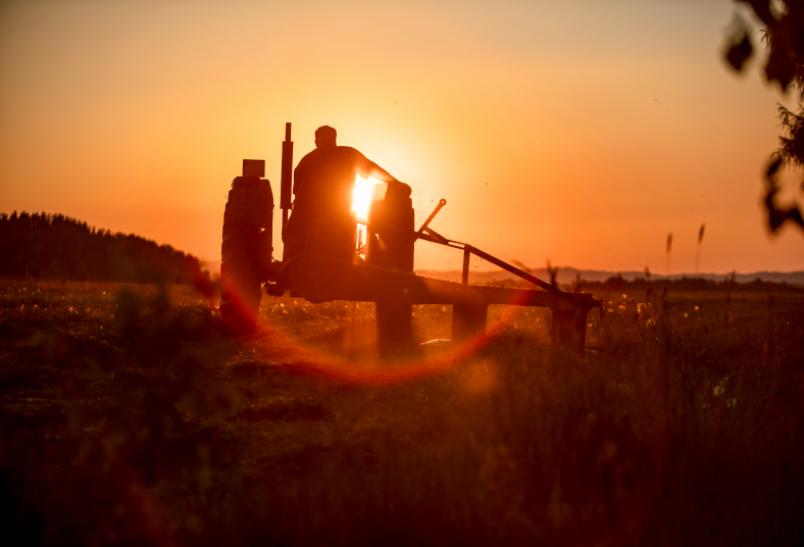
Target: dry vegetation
128,419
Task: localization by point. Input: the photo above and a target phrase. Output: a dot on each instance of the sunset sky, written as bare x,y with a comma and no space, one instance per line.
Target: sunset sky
577,132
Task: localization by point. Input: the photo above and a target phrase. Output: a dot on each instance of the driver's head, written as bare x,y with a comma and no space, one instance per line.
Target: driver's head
325,137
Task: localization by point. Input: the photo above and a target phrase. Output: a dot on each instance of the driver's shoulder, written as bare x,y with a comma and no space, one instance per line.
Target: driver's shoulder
346,150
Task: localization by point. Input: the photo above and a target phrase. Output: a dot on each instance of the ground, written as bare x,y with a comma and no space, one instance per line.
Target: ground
128,418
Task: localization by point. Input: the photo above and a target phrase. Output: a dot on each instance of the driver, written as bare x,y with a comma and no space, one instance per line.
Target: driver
322,220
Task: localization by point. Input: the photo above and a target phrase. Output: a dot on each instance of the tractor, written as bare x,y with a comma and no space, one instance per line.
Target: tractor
380,270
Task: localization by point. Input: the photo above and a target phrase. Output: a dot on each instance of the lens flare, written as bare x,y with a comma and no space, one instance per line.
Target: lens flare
364,367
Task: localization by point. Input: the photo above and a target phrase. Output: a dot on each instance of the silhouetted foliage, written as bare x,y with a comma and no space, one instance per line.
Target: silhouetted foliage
782,27
46,246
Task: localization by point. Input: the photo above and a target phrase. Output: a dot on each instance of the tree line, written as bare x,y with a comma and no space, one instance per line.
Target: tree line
45,246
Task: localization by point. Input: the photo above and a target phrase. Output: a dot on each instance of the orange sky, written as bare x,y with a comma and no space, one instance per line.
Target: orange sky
579,132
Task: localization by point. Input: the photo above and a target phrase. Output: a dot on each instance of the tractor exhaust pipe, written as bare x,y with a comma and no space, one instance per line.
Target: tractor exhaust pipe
286,192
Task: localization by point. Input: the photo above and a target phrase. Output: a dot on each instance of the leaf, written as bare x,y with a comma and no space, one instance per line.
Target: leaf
739,48
777,216
773,168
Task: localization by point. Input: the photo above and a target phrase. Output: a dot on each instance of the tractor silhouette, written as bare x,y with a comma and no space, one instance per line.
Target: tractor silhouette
382,273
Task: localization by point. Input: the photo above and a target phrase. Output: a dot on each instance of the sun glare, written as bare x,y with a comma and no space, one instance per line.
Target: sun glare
362,195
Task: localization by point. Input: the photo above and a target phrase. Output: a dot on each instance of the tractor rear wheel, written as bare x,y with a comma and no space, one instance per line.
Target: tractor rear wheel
241,276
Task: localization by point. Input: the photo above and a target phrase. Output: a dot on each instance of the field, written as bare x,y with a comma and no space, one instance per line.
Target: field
128,418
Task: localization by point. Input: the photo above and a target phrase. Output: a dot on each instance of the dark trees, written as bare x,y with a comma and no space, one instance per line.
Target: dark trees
57,247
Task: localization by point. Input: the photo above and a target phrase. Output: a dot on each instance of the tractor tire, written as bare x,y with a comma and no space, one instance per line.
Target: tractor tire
245,252
241,276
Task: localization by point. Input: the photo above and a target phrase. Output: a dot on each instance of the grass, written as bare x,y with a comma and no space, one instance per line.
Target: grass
128,419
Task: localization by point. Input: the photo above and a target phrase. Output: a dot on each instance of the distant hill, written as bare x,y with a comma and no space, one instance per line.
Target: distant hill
568,276
39,245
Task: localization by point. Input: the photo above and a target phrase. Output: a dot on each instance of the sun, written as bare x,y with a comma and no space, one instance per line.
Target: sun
363,195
